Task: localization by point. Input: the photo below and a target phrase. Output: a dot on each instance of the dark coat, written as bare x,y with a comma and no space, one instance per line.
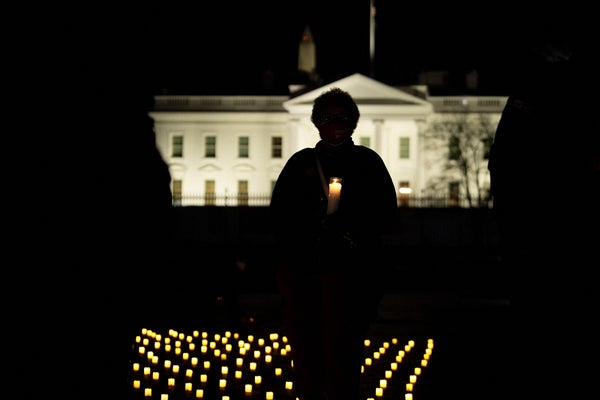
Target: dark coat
367,207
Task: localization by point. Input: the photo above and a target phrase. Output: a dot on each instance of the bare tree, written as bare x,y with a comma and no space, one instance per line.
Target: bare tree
458,145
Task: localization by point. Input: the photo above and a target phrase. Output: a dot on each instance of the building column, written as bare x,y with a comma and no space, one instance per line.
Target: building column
294,136
378,139
419,183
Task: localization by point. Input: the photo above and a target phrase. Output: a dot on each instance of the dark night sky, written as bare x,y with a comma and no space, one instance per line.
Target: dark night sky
225,47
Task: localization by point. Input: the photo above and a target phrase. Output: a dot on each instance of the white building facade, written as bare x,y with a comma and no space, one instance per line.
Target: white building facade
229,150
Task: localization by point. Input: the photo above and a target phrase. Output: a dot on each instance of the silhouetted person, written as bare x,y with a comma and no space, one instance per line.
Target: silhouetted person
96,255
329,263
544,175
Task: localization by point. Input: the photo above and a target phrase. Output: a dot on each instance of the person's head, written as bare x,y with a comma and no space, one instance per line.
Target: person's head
335,115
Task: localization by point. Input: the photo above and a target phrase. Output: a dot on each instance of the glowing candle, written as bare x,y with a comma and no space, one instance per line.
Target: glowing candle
199,393
333,199
289,385
248,388
188,386
269,395
409,387
136,384
148,392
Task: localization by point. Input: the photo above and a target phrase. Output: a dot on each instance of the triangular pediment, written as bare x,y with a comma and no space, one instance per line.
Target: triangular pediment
209,168
367,93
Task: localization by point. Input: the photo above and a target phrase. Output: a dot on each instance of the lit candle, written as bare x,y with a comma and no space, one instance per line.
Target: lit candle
333,199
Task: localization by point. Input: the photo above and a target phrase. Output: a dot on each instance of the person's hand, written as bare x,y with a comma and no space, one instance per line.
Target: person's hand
334,232
332,222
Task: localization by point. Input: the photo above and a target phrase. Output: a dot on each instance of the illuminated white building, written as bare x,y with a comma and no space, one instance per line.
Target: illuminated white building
230,149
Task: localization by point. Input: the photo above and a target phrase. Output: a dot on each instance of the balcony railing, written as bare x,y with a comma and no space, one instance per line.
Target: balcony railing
263,200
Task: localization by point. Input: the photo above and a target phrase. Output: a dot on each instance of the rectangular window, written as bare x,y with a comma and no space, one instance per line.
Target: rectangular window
404,192
487,146
243,147
404,150
365,141
177,192
210,195
210,147
177,146
276,145
454,148
242,193
454,194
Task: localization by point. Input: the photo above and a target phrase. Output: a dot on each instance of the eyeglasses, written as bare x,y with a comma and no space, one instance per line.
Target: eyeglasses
330,118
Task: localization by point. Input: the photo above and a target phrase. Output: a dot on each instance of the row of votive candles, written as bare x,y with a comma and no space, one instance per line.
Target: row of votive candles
221,347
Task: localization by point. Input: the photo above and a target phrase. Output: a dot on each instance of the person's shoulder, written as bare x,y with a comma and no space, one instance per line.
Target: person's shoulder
365,151
302,154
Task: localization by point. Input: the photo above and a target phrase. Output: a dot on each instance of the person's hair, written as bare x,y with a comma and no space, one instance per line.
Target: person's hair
338,98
